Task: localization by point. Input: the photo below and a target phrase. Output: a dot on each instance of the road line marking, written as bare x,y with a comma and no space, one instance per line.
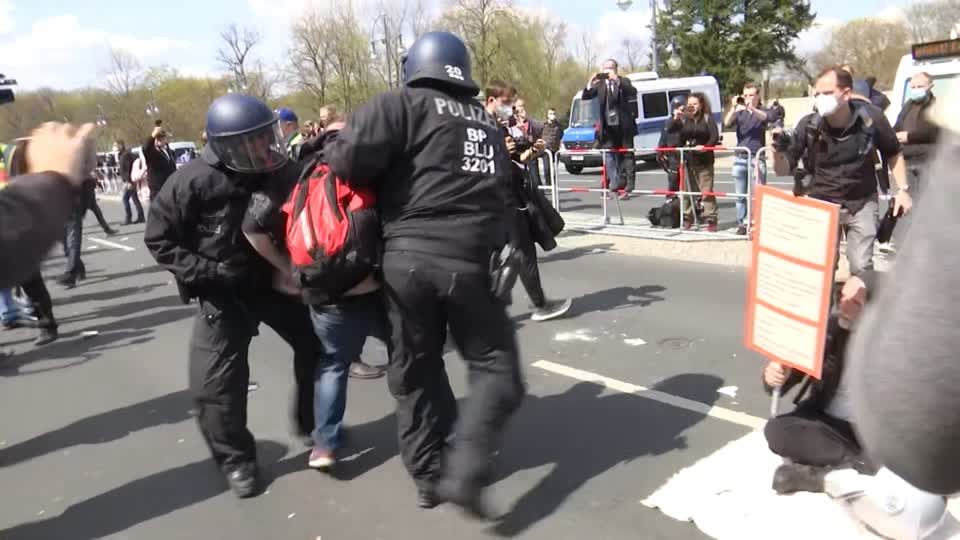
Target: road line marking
713,411
111,244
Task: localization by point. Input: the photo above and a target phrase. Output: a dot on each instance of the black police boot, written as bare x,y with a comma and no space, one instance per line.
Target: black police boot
469,498
793,477
244,480
427,497
48,334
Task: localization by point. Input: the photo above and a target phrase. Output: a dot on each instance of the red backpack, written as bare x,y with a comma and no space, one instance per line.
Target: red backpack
333,232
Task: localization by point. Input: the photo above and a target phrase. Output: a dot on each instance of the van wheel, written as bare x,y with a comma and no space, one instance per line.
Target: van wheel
573,169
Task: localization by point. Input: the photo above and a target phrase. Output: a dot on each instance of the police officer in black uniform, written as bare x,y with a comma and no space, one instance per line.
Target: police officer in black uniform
194,231
442,174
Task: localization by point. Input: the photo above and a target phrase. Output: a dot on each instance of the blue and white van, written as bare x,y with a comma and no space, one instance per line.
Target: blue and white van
653,109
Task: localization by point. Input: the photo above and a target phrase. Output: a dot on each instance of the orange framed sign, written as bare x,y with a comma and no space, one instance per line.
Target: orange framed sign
790,280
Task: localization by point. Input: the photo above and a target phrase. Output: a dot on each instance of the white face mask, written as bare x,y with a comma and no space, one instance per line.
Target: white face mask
504,112
826,104
551,117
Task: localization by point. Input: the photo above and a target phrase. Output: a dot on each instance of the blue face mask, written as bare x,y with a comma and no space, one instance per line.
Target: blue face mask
917,94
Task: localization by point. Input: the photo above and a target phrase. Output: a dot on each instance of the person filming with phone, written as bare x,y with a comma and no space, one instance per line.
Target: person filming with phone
750,121
618,124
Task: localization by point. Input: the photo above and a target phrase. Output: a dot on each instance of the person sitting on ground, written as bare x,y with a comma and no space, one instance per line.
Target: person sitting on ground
818,433
822,451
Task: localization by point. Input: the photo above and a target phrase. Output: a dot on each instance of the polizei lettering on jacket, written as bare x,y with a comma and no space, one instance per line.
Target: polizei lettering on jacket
467,111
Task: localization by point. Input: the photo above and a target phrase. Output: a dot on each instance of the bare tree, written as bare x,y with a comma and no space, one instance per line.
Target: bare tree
124,74
871,46
932,20
235,55
587,53
419,19
310,55
632,50
476,22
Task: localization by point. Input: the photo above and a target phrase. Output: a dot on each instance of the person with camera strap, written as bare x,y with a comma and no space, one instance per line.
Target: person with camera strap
836,145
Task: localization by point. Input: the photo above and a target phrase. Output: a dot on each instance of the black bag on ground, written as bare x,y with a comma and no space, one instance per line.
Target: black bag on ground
667,215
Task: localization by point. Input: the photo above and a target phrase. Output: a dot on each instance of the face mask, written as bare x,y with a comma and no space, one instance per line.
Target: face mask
826,104
917,94
551,117
504,112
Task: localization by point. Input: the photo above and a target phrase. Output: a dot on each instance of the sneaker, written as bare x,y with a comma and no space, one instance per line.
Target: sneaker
624,196
321,460
687,225
742,230
712,227
361,370
552,310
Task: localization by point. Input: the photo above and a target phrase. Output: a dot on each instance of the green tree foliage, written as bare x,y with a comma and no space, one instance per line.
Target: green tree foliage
731,39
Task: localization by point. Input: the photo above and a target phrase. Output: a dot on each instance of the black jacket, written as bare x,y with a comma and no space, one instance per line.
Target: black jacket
626,106
440,167
195,223
125,166
701,132
552,134
922,134
670,137
160,165
33,209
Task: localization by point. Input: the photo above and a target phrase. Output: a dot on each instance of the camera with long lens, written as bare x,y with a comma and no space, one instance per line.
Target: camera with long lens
783,140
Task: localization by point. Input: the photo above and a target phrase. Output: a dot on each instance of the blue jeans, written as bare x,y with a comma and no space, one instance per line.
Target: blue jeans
9,311
73,242
342,329
612,162
740,179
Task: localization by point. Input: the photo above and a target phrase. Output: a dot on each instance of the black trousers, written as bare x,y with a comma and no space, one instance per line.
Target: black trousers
812,437
36,289
529,269
220,372
425,295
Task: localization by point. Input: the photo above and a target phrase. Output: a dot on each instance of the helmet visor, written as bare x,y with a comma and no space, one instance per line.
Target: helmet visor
256,151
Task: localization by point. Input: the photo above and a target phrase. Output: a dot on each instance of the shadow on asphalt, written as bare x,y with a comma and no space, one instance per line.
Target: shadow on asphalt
582,434
79,350
138,501
575,253
616,298
61,299
109,426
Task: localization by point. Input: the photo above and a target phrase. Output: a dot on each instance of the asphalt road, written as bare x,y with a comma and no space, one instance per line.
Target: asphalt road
649,177
98,442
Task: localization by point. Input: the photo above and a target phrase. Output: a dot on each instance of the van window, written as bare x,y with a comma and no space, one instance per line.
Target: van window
681,93
655,105
584,114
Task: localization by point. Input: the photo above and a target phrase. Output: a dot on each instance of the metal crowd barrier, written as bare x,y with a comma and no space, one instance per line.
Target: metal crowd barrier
752,175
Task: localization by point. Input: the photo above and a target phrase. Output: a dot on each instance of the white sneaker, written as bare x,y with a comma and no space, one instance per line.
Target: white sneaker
552,310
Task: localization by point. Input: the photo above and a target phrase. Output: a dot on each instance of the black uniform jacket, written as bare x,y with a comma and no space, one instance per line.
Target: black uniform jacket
440,168
196,222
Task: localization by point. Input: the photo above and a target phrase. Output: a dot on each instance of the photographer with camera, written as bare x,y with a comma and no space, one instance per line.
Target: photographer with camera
836,146
750,121
618,124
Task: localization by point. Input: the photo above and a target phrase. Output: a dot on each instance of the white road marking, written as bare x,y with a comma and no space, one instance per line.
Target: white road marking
720,413
635,342
111,244
577,335
730,391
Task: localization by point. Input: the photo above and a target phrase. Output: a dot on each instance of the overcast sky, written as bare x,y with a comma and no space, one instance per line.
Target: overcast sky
64,43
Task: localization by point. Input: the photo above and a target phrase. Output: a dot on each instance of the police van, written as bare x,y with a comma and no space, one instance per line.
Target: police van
941,59
653,109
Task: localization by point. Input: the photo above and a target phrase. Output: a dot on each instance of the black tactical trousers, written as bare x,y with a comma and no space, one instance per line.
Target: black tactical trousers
425,295
219,371
529,269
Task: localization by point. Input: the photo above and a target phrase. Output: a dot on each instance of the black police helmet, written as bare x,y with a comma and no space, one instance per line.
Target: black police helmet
245,134
439,57
677,102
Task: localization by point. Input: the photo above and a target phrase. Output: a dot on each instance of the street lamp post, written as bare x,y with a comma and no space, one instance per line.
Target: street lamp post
392,63
101,117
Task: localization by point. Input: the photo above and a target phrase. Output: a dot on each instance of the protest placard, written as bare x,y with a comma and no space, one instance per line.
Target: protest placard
791,276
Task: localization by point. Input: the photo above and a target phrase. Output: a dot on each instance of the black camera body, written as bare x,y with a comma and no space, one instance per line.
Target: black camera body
523,144
783,140
741,101
603,76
